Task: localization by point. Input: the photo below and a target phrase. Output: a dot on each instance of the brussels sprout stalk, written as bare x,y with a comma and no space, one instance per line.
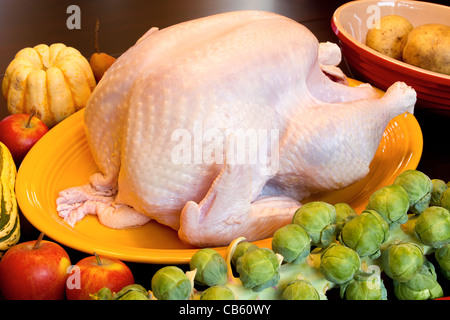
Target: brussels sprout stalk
308,270
405,233
288,272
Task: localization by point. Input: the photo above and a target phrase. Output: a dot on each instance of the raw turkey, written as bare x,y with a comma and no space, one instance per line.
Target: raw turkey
218,127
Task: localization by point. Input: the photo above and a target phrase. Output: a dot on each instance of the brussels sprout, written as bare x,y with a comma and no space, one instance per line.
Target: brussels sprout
442,256
211,267
402,260
132,292
292,242
364,286
422,286
258,269
439,186
171,283
433,227
300,290
344,213
418,186
339,264
218,292
365,234
102,294
133,295
242,248
318,218
445,199
391,202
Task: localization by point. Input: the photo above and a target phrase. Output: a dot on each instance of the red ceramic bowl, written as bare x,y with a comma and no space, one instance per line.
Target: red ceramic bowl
350,24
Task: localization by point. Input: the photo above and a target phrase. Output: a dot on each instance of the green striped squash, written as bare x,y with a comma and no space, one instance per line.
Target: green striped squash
9,215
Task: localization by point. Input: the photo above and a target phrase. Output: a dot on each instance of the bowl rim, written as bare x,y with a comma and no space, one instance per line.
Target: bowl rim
341,33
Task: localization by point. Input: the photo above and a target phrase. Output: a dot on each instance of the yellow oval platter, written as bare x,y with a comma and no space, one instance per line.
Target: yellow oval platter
62,159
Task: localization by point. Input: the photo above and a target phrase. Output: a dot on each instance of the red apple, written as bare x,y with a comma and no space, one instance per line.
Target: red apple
34,270
95,272
19,132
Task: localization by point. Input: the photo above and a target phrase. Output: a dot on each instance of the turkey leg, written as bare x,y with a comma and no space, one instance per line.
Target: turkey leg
228,212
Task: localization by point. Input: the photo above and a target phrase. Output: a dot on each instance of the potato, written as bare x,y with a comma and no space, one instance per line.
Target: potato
428,47
388,35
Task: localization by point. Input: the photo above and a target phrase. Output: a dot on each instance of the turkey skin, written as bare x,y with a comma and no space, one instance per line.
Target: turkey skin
218,127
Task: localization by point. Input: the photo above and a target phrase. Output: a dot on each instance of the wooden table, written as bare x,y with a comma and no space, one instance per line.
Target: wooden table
29,22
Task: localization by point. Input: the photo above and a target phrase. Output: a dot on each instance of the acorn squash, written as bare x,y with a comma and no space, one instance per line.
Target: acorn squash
53,81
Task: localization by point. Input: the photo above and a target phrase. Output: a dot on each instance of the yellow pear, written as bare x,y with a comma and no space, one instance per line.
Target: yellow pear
100,61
